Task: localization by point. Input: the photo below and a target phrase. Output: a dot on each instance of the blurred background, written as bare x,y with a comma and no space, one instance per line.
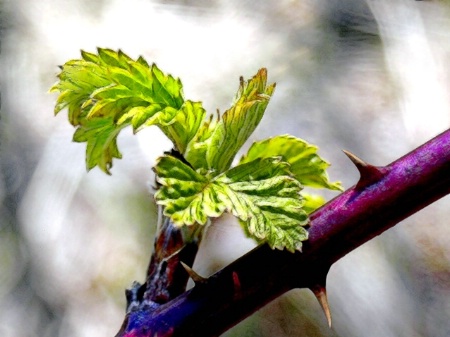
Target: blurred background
371,77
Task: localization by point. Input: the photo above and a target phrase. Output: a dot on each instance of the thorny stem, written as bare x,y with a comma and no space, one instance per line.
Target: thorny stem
166,278
382,197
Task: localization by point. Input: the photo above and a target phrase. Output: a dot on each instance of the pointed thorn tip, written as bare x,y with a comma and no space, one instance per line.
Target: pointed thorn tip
369,173
321,294
355,160
192,274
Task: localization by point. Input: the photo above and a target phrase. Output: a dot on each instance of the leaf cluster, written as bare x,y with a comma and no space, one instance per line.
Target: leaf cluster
108,91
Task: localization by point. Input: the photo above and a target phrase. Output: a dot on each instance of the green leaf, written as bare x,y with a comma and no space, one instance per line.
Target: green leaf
306,165
239,122
312,202
186,124
262,194
101,137
266,198
114,87
77,80
198,147
188,196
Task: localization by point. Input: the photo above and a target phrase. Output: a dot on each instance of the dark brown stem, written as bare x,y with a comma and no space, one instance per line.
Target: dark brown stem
166,276
383,197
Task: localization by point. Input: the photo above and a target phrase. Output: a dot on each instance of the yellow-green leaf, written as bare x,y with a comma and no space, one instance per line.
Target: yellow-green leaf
100,134
262,194
238,122
307,166
112,86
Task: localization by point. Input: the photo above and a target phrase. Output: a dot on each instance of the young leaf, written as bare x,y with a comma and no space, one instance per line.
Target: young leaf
306,165
312,202
114,87
266,198
239,122
101,137
198,147
188,197
186,124
77,81
262,194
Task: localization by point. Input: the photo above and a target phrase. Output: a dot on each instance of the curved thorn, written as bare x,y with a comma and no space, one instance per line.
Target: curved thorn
369,173
321,294
359,163
192,274
236,285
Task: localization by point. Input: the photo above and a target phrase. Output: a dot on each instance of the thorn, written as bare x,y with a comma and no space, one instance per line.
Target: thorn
192,274
321,294
236,281
369,173
236,284
359,163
